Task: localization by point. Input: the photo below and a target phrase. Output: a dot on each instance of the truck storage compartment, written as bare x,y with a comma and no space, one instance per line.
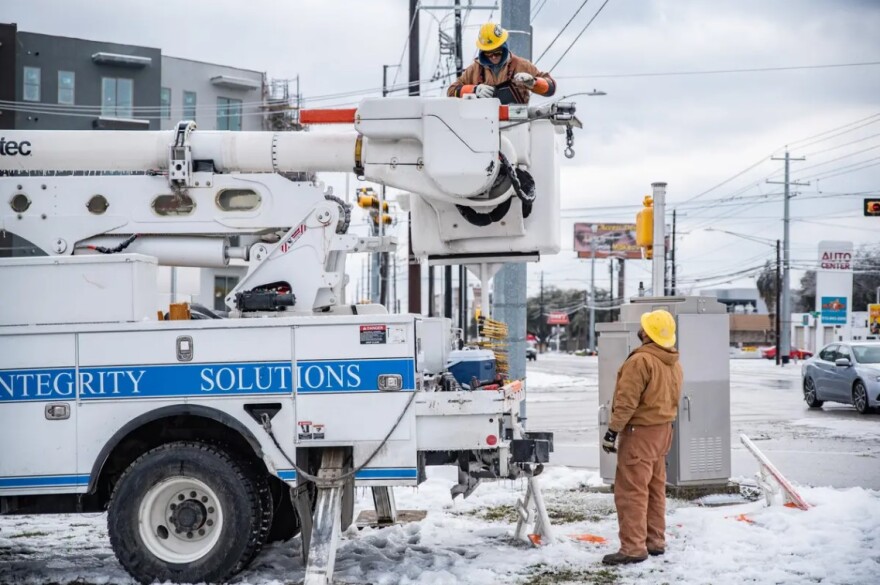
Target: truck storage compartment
78,289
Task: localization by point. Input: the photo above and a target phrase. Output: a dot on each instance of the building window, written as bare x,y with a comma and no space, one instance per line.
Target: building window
189,105
66,87
31,84
165,103
116,97
228,114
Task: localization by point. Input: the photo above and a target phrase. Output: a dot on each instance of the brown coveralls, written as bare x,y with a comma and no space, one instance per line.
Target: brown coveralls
644,406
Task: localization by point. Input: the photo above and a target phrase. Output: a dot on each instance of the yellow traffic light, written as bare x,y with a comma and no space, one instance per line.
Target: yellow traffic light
645,227
386,219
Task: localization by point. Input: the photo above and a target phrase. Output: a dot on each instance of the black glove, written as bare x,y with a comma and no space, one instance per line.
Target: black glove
609,441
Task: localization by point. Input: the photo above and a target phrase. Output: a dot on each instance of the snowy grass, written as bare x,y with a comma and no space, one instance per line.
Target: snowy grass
470,542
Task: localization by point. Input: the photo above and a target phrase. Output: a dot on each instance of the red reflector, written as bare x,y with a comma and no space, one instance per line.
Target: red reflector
491,440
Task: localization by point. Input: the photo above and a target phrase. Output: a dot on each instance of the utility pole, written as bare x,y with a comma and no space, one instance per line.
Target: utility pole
414,266
511,281
541,320
447,274
593,289
778,301
672,286
658,273
785,334
621,282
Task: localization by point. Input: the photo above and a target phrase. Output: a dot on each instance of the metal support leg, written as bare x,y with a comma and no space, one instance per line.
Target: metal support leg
326,525
531,510
386,509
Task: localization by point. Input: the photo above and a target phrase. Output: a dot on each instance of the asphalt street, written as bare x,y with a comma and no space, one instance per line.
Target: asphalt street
835,446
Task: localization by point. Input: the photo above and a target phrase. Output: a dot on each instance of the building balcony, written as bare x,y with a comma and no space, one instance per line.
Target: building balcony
121,60
231,82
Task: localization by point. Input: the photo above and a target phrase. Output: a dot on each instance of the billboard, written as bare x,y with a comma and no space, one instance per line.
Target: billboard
834,310
617,240
874,319
557,319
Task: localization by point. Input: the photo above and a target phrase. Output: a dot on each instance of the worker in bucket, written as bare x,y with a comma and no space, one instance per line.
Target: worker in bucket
497,72
645,405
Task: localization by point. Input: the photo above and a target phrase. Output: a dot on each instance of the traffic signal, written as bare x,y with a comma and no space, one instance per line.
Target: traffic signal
872,207
645,227
368,200
386,219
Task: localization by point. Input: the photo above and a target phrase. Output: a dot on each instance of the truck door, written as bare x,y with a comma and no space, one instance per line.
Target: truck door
38,415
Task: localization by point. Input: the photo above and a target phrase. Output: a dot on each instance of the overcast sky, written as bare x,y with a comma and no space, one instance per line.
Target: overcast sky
691,131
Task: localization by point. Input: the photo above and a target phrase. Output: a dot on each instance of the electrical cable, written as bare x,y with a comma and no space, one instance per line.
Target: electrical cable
583,30
719,71
562,30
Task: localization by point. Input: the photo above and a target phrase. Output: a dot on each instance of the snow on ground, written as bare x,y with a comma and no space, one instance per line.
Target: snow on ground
470,542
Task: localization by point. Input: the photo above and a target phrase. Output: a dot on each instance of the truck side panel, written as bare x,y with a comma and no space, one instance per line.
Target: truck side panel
39,454
135,372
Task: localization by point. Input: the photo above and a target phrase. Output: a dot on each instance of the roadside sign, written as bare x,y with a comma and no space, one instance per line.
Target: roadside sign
834,310
557,319
874,319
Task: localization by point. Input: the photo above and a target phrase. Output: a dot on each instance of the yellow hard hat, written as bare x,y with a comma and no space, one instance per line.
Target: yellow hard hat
660,327
491,37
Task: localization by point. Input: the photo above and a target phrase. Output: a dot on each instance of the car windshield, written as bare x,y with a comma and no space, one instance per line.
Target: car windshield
867,354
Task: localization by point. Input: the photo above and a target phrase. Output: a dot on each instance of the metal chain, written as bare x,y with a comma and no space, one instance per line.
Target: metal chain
346,213
569,142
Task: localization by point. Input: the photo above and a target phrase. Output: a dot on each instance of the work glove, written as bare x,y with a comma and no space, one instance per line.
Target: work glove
484,91
526,79
608,443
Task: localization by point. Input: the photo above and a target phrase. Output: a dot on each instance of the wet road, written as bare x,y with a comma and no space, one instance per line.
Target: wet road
833,446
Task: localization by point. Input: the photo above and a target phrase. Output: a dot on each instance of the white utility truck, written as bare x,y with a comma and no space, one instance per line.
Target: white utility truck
207,436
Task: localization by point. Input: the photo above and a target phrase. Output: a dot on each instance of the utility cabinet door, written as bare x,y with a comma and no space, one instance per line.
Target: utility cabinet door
613,347
701,450
38,415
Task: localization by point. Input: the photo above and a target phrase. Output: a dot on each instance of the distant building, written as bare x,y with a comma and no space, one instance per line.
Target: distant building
50,82
738,300
217,97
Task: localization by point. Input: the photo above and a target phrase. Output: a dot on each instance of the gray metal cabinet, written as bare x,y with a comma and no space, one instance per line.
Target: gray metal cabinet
700,452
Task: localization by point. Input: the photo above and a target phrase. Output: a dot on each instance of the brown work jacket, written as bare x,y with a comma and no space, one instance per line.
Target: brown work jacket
648,388
477,73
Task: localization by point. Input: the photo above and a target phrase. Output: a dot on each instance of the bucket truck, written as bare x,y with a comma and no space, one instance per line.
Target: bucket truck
206,436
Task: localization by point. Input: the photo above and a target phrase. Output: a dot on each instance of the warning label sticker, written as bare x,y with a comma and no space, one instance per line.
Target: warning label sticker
396,335
374,334
310,431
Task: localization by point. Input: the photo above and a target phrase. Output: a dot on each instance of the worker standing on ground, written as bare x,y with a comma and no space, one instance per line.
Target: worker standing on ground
644,406
497,72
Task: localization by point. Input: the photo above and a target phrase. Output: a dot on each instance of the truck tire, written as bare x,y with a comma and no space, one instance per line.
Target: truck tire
185,512
267,504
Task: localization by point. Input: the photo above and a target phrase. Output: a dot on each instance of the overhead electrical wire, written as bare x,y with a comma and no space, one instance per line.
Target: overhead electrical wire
562,30
583,30
719,71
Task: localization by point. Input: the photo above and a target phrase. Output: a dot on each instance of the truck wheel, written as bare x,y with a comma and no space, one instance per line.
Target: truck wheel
185,512
267,504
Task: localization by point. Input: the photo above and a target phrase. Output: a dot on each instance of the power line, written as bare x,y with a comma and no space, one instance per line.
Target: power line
538,11
824,150
562,30
718,71
583,30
